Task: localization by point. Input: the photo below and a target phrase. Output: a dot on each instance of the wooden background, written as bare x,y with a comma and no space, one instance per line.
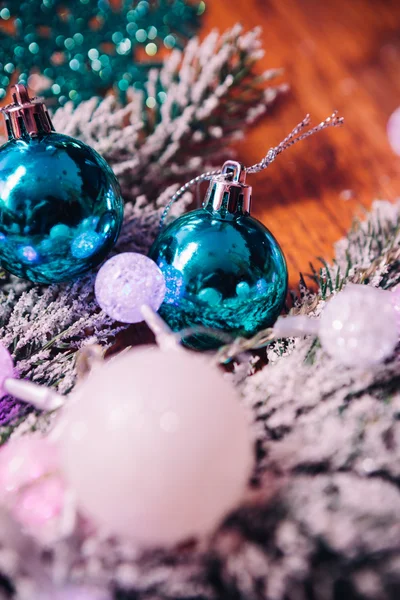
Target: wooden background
337,54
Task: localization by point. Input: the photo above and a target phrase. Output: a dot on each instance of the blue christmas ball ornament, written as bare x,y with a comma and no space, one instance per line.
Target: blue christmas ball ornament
223,269
60,204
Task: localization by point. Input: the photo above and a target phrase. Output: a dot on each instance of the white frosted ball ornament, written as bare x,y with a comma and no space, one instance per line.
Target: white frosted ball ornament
156,446
125,283
358,326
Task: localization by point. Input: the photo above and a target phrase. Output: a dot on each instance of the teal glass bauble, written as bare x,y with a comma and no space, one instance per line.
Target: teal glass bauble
224,270
60,204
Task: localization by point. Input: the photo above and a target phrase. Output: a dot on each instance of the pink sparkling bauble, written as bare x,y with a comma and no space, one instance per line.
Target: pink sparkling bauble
126,282
6,368
156,446
393,131
396,304
31,486
25,460
40,502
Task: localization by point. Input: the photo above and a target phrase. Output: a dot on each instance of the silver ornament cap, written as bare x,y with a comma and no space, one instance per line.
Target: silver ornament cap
25,115
228,193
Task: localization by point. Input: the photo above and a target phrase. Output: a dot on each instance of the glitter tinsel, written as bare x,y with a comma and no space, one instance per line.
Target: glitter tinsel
83,48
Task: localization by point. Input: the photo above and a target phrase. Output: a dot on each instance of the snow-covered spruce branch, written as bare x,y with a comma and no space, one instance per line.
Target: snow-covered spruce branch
323,512
203,98
200,100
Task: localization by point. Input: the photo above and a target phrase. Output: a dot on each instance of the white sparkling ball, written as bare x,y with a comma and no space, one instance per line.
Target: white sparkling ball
126,282
156,446
358,326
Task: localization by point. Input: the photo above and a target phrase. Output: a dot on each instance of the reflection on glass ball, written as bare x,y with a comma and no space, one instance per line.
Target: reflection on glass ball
228,275
174,283
85,244
60,208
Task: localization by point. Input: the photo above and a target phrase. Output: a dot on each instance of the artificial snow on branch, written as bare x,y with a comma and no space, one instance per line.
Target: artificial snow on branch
210,92
202,98
322,509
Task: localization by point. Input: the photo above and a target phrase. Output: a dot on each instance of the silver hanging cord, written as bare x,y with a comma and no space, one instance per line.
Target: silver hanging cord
294,136
204,177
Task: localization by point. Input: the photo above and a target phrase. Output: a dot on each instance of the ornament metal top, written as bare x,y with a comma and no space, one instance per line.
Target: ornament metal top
224,270
60,204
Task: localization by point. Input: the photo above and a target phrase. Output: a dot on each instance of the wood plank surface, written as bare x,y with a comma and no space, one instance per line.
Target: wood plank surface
341,54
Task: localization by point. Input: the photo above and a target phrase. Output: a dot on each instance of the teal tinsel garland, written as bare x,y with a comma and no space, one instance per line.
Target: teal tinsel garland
87,47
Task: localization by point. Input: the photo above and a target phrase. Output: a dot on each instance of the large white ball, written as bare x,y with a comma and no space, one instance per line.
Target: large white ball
156,446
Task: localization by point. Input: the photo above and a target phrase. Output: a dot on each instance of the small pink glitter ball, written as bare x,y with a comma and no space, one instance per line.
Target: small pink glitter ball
393,131
23,461
6,368
126,282
31,486
37,504
396,304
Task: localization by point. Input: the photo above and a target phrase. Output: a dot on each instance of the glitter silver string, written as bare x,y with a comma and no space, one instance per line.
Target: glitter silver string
196,180
294,136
